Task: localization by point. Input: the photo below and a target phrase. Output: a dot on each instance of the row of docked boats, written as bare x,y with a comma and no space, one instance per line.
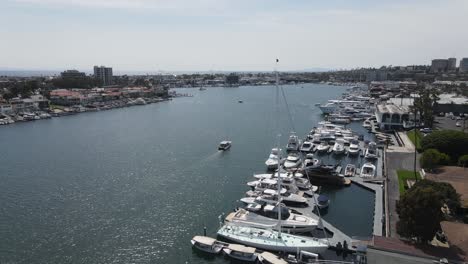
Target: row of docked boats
270,218
249,254
355,106
268,221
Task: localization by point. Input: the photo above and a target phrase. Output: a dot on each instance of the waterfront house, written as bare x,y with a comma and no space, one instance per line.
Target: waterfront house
391,116
20,105
40,101
65,97
6,109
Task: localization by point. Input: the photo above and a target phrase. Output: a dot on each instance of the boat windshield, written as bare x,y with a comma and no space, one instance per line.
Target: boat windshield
273,213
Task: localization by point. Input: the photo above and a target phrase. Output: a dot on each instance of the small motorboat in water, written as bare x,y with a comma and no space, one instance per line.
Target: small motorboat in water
270,258
323,147
353,148
339,148
350,170
306,147
371,151
293,143
241,252
368,170
224,145
323,201
207,244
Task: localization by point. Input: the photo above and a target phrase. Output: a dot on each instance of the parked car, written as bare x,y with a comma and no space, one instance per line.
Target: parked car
425,130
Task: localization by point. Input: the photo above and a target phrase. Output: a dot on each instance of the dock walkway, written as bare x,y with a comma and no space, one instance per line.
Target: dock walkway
333,234
378,203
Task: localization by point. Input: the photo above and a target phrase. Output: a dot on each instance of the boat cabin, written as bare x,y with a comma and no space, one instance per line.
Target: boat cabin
224,145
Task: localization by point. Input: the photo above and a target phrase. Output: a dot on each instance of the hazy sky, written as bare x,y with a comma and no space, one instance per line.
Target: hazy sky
229,35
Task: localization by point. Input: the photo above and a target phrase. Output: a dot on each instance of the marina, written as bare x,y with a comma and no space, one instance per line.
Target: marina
270,216
153,189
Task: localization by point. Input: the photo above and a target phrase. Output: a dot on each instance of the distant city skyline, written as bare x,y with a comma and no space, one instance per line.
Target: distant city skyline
225,35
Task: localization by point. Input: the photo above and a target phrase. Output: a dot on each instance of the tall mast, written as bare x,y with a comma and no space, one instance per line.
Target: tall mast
278,147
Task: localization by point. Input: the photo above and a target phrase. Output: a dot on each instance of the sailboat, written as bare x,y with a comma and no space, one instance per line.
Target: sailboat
268,239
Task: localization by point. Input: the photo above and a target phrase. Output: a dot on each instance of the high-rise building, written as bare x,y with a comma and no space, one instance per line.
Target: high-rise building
464,65
452,64
104,74
439,65
72,74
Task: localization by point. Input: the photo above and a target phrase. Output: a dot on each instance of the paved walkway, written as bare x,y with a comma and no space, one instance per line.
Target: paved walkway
398,158
407,145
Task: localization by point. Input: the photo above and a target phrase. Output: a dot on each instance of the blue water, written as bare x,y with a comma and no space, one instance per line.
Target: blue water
133,185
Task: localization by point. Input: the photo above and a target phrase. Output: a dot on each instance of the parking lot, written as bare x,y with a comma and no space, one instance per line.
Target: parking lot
448,123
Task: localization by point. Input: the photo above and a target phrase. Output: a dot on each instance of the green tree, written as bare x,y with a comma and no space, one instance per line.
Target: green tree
463,161
447,193
453,143
424,104
419,213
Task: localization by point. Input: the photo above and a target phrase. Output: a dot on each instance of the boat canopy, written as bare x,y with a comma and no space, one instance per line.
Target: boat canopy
322,199
204,240
241,248
272,258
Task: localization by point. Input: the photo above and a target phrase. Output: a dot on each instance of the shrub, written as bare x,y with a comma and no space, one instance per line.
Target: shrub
444,159
432,158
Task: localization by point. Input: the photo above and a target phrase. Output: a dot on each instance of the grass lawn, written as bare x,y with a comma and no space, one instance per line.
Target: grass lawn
404,175
416,140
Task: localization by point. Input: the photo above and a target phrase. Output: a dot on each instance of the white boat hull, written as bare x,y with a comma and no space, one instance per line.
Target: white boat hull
272,243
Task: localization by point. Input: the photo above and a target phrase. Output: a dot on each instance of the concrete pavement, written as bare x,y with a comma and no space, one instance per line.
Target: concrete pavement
398,158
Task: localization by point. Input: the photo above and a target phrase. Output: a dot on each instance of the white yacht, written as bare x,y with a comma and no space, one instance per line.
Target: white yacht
263,175
328,108
293,143
306,146
267,217
264,184
368,170
350,170
371,151
271,240
353,147
292,161
241,252
339,148
310,160
289,199
207,244
272,161
339,119
323,147
286,197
